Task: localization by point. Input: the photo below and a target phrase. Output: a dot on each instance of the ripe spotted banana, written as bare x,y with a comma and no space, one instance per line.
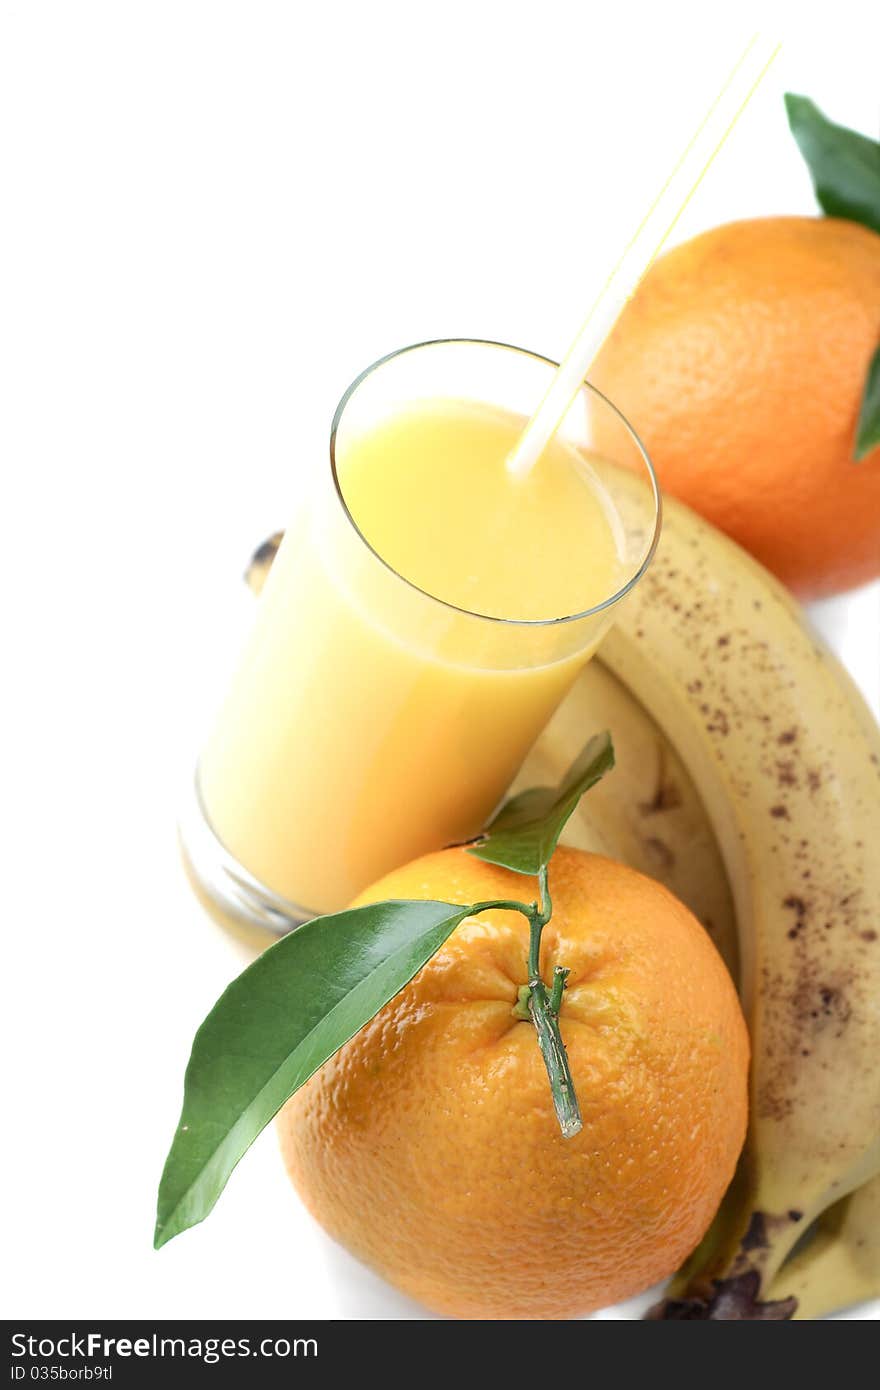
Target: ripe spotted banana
786,760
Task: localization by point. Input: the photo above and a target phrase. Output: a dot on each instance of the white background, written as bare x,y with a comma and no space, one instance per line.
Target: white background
214,215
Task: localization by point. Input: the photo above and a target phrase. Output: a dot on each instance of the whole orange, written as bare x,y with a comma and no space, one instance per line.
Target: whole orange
428,1145
741,361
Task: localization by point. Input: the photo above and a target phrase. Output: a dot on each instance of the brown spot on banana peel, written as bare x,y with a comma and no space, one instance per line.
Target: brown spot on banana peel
658,850
786,773
757,1242
731,1300
667,796
755,1237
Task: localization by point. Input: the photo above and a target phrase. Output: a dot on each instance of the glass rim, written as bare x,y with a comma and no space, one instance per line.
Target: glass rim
445,603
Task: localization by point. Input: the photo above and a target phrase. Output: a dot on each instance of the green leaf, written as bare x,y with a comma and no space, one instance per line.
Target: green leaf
868,432
275,1025
526,830
844,165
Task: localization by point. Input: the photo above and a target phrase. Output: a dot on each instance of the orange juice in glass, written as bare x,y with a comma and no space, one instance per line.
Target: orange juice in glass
421,622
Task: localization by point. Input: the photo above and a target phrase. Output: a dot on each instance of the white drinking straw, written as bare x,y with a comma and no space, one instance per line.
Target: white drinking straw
643,250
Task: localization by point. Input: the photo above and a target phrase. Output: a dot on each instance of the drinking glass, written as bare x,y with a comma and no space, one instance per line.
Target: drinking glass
370,721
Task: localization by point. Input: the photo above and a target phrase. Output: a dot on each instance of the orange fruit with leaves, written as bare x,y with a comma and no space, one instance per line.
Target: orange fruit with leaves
428,1145
741,362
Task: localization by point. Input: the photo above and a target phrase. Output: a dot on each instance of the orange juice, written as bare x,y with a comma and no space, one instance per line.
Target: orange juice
431,493
386,700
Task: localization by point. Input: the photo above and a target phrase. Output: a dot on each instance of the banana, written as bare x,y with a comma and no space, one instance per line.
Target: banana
839,1264
786,758
766,734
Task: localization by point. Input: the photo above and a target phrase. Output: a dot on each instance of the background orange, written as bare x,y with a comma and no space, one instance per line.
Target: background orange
741,362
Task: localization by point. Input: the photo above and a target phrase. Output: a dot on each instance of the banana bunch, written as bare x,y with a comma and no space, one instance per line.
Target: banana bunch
786,759
748,781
